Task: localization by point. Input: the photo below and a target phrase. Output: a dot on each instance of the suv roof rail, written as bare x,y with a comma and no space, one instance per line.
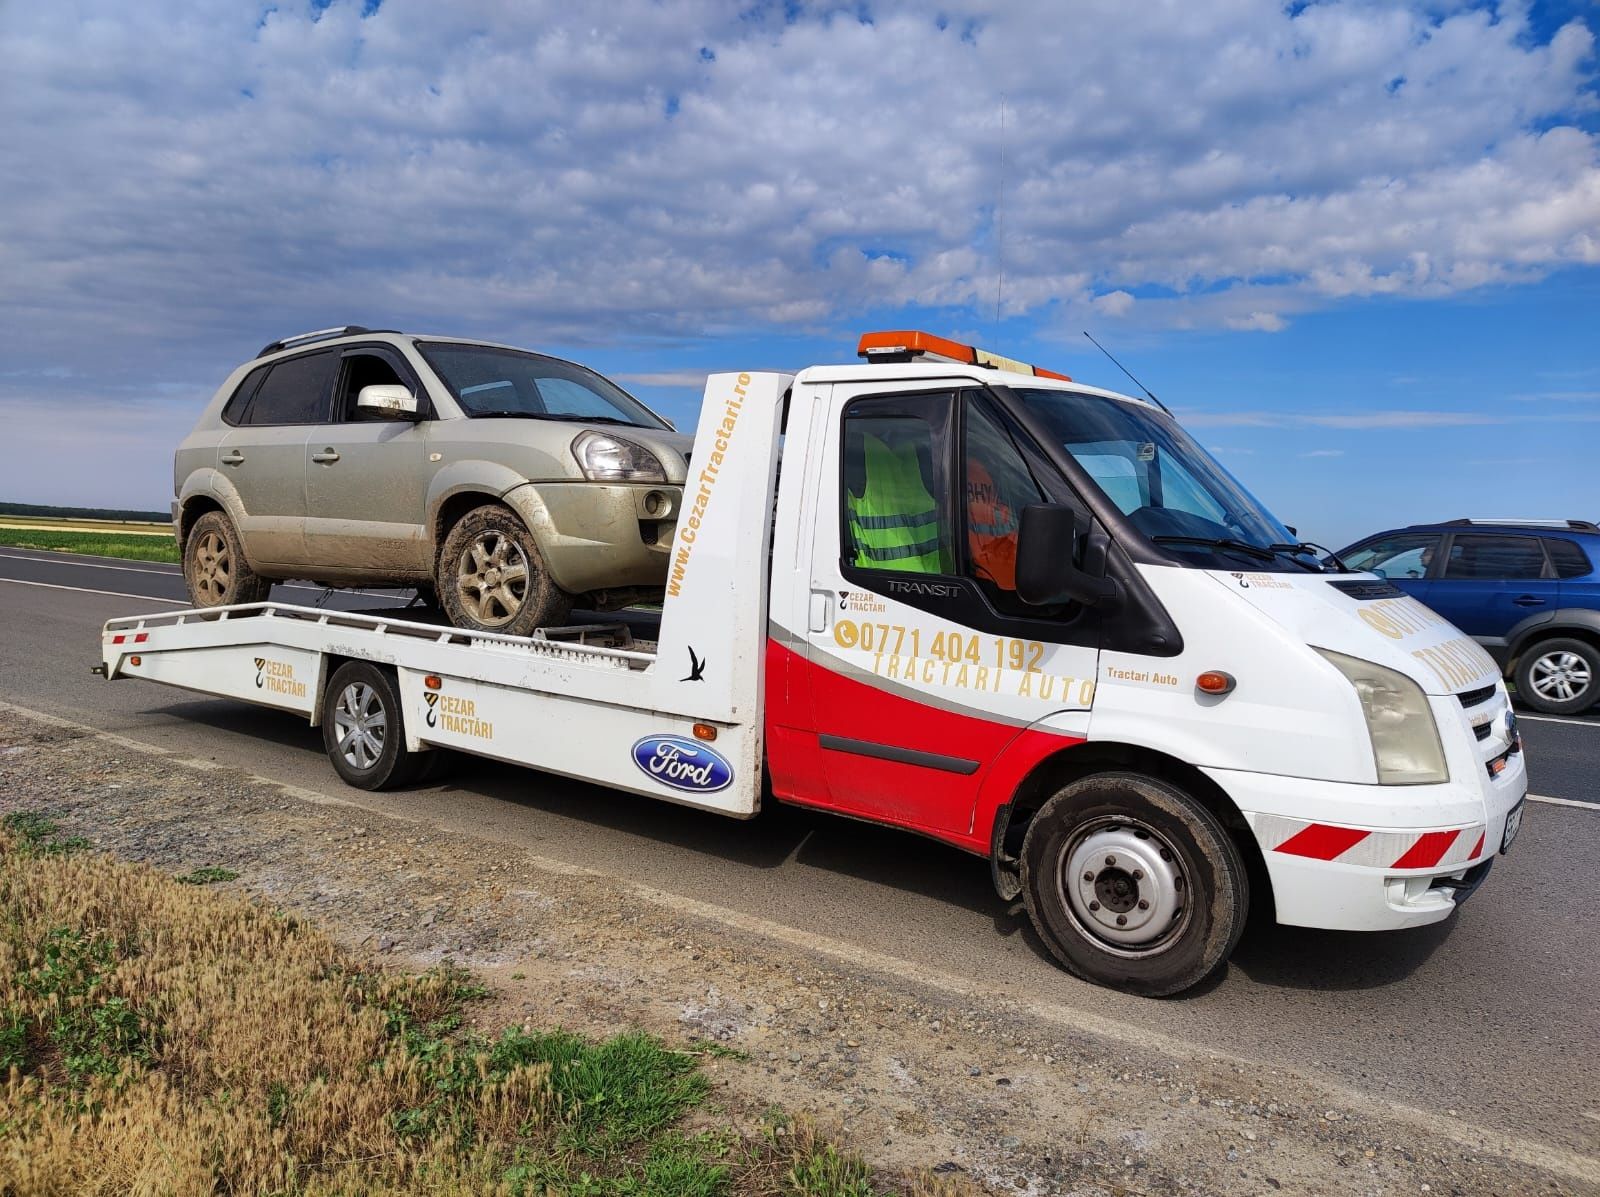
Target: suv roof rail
321,334
1572,525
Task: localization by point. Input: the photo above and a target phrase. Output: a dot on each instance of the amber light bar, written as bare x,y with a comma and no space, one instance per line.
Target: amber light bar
906,345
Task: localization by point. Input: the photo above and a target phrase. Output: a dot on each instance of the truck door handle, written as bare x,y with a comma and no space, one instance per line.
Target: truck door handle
1528,600
233,457
326,457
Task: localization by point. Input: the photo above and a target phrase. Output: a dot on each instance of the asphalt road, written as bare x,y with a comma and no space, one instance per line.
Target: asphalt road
1490,1015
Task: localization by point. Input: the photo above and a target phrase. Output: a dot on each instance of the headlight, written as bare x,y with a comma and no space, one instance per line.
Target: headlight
606,458
1405,739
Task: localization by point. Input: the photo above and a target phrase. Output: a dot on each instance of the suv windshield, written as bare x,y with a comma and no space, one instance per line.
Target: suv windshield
1170,488
508,382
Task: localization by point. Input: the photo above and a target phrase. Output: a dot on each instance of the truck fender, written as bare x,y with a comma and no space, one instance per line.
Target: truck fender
1004,778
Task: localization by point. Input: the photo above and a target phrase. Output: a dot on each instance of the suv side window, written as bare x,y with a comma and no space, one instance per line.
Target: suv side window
1473,555
1568,558
233,412
1404,555
295,392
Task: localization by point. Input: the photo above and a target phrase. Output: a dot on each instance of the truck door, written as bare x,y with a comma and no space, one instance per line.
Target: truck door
922,662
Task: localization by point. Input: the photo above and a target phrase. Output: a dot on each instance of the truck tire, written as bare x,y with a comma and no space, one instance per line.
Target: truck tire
1560,676
492,578
214,569
363,729
1134,885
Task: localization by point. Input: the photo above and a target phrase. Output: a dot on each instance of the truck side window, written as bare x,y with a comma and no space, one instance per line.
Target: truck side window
895,497
997,487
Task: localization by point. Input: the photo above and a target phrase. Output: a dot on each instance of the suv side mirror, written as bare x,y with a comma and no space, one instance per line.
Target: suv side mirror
388,399
1047,575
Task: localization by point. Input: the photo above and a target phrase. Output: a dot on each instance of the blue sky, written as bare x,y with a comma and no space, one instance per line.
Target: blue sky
1356,245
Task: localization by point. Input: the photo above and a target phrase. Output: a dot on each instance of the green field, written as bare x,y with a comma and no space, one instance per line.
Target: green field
134,546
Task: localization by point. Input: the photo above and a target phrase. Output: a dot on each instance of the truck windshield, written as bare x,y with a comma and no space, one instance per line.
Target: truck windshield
491,382
1170,488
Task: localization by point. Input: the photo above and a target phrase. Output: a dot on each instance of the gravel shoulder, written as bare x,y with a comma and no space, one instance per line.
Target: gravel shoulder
909,1070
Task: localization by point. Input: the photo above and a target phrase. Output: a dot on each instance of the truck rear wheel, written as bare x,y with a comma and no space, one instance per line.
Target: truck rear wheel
362,729
1133,884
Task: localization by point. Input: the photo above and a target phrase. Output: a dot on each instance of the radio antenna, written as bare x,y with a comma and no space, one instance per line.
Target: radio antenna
999,224
1151,395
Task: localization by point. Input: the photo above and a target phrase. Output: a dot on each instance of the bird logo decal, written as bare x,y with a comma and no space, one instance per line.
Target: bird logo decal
697,668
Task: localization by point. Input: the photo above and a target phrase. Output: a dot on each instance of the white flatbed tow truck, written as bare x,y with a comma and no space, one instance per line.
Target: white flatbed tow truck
986,604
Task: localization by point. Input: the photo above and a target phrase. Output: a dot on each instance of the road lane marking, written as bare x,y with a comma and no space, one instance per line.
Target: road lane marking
161,573
128,569
1565,802
146,598
1552,1157
1557,719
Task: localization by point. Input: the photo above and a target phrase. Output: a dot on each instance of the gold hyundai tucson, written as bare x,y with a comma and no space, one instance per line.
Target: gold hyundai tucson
504,485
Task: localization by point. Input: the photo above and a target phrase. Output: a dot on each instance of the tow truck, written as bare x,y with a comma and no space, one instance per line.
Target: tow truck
986,604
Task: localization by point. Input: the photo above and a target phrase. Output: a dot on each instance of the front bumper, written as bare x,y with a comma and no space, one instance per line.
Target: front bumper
1347,857
601,536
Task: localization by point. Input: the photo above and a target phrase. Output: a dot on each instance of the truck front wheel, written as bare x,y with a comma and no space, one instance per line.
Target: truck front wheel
1133,884
362,729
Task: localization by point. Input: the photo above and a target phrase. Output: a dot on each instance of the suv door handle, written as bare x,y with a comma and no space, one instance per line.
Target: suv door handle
326,457
1528,600
233,457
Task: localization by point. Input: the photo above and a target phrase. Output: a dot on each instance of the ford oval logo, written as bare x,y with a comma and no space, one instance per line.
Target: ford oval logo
682,764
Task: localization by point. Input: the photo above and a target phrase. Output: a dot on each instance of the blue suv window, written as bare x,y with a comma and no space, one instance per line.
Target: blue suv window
1475,556
1569,560
1403,555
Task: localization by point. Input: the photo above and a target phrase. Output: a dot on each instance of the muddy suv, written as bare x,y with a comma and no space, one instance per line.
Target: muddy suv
503,484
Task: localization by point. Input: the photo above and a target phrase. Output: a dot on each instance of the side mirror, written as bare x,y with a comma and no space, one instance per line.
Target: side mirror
388,399
1047,575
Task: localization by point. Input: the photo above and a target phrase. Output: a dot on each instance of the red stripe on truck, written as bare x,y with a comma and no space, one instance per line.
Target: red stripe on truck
1428,851
1321,841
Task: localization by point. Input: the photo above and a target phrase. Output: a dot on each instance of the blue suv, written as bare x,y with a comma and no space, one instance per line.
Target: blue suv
1527,590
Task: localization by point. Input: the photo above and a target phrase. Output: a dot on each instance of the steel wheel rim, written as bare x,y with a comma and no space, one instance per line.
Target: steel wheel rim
1125,886
361,725
213,568
1560,676
492,579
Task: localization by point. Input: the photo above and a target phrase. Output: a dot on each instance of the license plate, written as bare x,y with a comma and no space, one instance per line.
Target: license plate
1513,825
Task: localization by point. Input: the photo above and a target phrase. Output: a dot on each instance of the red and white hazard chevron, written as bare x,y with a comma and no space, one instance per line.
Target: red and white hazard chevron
130,638
1376,849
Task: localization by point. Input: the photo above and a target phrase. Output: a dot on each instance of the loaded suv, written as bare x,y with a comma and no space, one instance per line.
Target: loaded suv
506,485
1527,590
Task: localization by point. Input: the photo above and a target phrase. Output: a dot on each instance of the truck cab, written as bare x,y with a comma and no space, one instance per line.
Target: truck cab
1036,620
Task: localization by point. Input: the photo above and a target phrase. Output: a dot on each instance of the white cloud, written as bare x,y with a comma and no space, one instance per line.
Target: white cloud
1324,453
690,379
189,180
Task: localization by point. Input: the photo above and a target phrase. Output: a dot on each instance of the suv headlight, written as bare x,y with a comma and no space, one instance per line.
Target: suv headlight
1405,739
606,458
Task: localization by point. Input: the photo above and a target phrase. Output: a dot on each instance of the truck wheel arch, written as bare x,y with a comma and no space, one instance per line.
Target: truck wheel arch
1072,763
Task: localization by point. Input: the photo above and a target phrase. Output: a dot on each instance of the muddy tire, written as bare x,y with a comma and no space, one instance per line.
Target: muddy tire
491,577
1134,885
214,568
363,729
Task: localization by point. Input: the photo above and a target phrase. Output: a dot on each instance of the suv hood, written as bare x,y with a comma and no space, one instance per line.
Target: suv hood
1362,615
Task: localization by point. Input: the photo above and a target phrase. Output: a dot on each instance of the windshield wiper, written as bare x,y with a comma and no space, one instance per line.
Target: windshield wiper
574,419
507,414
1306,546
1221,542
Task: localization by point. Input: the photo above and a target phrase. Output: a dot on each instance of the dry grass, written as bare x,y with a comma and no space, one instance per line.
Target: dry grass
162,1037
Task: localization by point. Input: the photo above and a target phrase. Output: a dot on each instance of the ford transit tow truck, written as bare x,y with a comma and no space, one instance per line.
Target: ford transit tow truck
986,604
